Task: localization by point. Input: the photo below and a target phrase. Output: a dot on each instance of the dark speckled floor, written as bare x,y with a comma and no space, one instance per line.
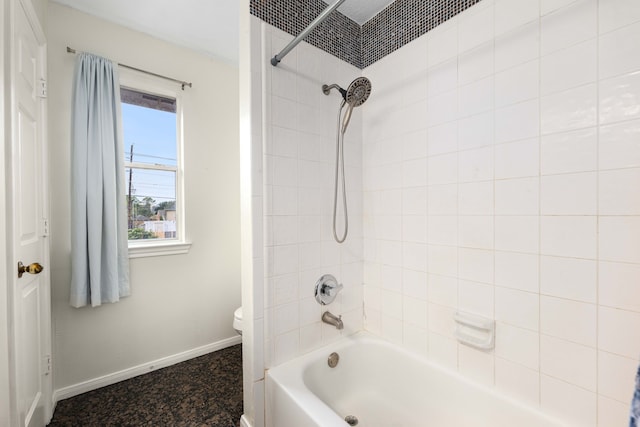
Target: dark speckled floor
205,391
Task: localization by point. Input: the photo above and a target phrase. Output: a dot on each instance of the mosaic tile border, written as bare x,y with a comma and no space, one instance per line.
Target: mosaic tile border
398,24
404,21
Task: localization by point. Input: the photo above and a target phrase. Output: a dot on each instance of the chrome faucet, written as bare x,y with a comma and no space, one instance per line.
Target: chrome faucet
331,319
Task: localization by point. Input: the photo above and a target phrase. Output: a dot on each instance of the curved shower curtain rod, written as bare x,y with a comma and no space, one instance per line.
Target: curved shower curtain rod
293,43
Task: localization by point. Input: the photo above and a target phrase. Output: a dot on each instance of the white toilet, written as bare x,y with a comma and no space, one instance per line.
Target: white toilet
237,320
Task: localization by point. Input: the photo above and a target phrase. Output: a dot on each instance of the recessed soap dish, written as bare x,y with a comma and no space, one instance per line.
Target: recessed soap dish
475,331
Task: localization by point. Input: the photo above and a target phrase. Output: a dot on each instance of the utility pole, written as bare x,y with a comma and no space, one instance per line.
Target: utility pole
130,204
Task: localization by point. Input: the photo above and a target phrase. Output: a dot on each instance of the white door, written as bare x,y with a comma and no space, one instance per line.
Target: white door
31,294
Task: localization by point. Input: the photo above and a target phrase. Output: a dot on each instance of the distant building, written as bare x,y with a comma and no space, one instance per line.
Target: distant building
162,229
166,214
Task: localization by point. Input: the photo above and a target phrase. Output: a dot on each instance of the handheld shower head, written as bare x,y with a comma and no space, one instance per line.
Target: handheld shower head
358,91
354,96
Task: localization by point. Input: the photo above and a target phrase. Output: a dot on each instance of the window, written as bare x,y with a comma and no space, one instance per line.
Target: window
151,122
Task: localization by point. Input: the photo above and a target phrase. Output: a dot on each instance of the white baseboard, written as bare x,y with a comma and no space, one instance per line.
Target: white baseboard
244,421
125,374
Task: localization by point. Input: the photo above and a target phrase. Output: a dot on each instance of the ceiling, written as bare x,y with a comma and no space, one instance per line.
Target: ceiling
362,10
207,26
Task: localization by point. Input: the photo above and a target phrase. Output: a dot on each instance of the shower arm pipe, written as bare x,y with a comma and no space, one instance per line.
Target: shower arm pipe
293,43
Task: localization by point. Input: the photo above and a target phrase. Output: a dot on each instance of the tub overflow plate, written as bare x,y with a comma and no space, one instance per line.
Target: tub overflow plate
333,360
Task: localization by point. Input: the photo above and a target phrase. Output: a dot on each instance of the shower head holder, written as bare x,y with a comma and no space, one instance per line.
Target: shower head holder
326,89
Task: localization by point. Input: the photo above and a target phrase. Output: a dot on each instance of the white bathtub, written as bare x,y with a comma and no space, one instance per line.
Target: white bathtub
384,387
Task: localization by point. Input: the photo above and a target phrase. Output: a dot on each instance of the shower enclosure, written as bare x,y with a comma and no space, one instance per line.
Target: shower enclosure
487,174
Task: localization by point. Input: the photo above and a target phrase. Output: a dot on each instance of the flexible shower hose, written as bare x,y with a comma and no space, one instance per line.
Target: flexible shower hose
340,168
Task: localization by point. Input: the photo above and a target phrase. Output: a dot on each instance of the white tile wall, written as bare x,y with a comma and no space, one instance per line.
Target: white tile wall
616,14
518,345
568,361
518,381
612,412
580,408
618,98
527,202
575,151
517,308
568,68
519,45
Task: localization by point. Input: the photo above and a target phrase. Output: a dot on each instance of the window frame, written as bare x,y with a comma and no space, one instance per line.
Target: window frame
141,82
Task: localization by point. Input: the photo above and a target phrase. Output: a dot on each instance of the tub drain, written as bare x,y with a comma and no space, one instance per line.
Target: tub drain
352,420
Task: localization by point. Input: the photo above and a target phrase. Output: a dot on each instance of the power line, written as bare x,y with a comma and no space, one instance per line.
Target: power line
151,156
153,172
153,184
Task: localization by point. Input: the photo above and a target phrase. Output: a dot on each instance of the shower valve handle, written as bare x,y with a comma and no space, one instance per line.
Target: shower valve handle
327,288
333,292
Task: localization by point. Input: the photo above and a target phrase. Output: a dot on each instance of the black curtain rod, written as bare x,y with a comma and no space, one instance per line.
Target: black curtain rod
181,82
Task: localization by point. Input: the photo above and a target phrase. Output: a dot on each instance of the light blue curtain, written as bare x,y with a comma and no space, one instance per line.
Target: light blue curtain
100,263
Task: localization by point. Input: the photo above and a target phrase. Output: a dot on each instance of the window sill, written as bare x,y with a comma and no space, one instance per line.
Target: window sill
143,250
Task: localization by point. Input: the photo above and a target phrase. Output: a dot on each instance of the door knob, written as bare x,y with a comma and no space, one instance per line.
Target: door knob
33,268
